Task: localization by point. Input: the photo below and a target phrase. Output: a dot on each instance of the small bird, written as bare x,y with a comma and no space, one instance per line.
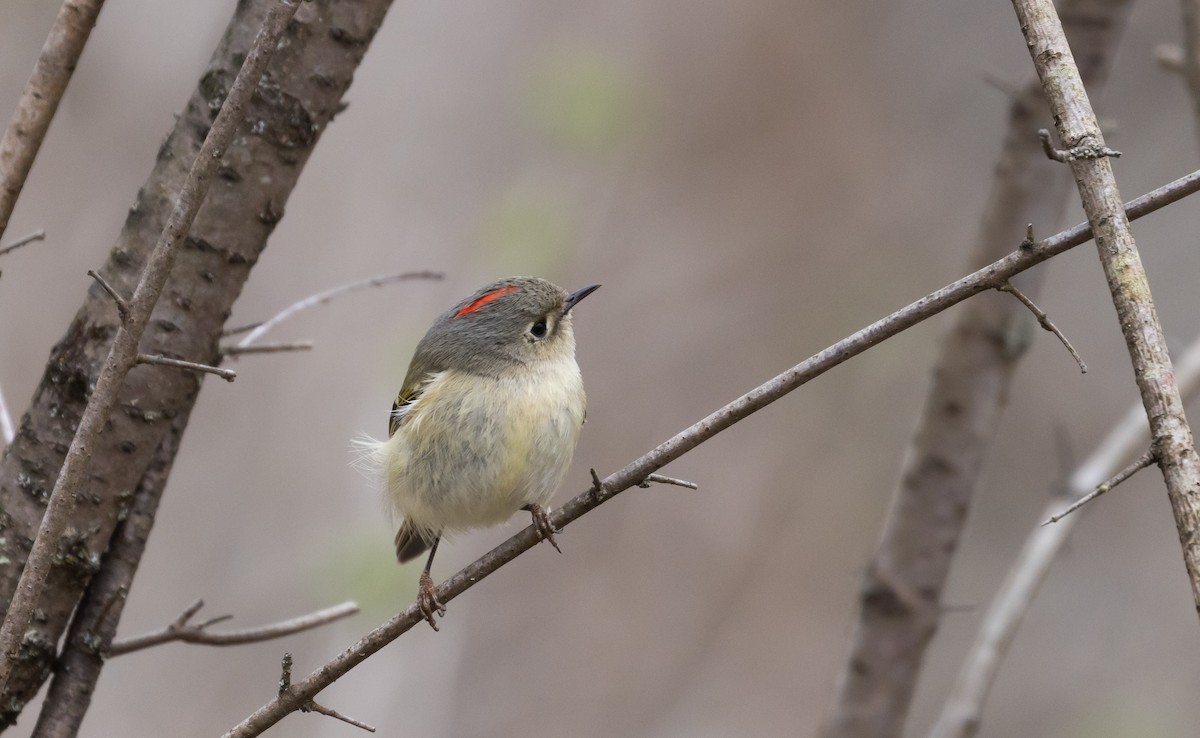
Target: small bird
487,419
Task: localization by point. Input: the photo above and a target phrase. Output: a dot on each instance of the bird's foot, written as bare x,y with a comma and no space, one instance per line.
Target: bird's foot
427,599
541,522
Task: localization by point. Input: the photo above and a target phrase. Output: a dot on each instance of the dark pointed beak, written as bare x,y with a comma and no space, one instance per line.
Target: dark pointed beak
576,296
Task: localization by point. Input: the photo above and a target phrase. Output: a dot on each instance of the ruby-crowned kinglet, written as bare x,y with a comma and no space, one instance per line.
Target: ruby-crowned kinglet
487,419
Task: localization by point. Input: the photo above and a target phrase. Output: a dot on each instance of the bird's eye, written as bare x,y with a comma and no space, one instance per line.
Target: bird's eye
538,330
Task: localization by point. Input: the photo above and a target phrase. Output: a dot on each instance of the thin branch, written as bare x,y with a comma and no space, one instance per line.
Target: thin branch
38,235
285,686
40,98
323,297
603,490
123,352
1171,437
1044,321
267,348
963,711
661,479
1138,464
121,303
6,424
240,329
227,374
182,630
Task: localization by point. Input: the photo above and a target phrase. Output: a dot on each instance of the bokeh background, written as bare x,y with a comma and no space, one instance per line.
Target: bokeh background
750,181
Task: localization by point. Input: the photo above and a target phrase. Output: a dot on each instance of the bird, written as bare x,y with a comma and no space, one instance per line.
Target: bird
486,420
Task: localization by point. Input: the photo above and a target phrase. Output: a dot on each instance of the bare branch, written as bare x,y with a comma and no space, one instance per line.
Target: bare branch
267,348
1171,437
38,235
40,98
660,479
1138,464
323,297
182,630
6,425
123,353
285,686
121,302
1044,321
227,374
602,490
963,710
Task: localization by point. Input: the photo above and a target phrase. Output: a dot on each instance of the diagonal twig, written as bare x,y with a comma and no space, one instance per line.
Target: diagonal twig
1044,321
602,490
1134,467
123,352
39,100
38,235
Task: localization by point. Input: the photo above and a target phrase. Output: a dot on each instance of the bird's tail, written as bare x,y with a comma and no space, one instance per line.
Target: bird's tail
409,543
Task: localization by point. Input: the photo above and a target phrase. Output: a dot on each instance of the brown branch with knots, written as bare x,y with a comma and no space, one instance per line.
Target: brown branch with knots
123,353
1075,121
182,629
638,471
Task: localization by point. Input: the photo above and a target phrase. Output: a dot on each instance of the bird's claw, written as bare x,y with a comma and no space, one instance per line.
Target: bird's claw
428,601
542,524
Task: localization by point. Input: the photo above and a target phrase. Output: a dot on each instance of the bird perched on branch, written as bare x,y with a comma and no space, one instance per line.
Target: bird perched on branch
486,421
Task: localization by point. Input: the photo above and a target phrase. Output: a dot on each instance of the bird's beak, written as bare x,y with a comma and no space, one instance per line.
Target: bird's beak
576,296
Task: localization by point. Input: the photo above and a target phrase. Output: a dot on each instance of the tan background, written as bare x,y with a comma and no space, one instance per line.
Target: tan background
750,181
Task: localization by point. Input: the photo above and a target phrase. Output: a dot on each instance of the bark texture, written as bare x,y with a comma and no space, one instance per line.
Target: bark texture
296,99
900,601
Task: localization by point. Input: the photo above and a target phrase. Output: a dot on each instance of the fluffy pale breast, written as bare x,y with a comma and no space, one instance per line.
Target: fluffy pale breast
474,450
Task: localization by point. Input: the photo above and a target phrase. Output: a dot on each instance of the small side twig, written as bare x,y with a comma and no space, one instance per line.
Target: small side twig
285,686
227,374
267,348
1138,464
38,235
662,479
1089,150
121,302
1043,320
183,630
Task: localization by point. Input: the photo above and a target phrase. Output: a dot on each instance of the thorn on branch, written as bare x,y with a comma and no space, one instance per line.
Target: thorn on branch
122,303
38,235
598,490
661,479
267,348
285,686
1089,150
1044,321
227,374
1028,243
1138,464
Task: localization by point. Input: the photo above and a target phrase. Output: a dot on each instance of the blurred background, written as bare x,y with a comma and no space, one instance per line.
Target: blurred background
750,182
